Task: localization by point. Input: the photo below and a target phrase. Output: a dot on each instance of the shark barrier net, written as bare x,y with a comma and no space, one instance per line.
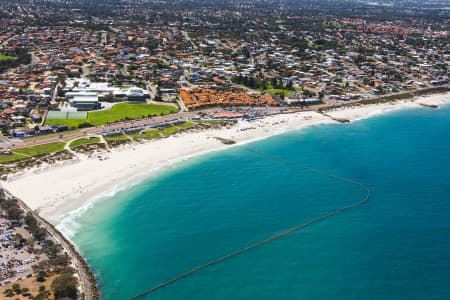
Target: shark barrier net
274,237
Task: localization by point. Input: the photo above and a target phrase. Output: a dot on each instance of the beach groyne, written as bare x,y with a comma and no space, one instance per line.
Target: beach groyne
226,141
87,281
429,105
340,120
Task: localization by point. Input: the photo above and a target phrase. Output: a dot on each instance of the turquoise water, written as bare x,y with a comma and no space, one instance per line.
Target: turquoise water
397,246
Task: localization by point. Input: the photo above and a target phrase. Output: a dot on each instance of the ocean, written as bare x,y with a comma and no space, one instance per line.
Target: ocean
395,246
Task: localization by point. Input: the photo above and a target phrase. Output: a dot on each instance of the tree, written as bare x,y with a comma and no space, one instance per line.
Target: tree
60,260
289,86
65,286
41,276
41,296
274,82
25,291
8,204
85,125
34,228
16,288
9,293
19,238
14,213
158,96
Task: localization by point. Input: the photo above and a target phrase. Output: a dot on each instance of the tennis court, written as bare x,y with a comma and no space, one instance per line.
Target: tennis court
59,115
77,115
56,115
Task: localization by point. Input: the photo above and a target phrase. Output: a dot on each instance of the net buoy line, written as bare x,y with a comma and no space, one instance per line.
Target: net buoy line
274,237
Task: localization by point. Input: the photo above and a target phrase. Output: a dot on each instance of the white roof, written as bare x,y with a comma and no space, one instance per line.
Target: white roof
85,98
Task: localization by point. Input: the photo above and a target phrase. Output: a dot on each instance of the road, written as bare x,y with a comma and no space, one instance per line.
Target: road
146,122
151,90
34,59
55,92
188,38
5,43
183,107
4,142
84,70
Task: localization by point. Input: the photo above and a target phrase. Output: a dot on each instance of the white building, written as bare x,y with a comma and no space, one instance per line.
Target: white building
85,102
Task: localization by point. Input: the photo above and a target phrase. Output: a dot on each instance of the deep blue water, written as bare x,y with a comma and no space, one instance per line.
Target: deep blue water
397,246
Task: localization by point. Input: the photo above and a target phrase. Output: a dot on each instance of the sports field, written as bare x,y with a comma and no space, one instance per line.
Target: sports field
6,57
78,115
117,113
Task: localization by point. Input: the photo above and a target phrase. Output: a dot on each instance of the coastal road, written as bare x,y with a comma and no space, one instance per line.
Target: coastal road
147,122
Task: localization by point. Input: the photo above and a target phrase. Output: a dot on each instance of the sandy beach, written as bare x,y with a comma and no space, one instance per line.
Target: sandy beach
57,191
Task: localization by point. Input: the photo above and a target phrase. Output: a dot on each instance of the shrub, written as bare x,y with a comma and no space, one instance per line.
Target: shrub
37,231
16,288
65,286
85,125
14,212
9,293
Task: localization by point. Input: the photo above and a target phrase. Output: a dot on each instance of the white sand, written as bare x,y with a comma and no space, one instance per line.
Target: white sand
366,111
55,192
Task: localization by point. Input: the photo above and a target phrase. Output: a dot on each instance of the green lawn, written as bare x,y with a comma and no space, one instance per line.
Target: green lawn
116,138
40,149
84,141
331,24
207,121
147,134
40,137
6,57
11,158
116,113
167,131
279,91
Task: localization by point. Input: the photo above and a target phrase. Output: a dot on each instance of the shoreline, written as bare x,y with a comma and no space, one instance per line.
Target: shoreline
81,183
87,281
90,178
60,217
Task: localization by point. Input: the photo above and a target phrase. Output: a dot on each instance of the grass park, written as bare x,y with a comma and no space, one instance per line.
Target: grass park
6,57
23,153
118,112
84,141
116,138
272,92
11,158
40,149
162,132
26,152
